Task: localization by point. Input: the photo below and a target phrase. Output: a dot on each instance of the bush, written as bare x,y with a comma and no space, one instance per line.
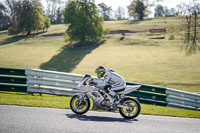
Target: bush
171,37
11,31
47,23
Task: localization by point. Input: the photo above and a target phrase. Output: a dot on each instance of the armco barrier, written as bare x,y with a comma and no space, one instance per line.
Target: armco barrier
60,83
12,79
150,94
166,97
182,99
51,82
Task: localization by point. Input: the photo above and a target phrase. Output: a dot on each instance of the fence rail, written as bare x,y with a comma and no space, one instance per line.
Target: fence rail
60,83
50,82
12,71
182,99
13,79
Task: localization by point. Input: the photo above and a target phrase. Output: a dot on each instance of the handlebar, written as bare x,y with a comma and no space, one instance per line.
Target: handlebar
86,78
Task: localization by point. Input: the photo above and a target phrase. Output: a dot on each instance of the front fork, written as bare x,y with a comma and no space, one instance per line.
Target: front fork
81,98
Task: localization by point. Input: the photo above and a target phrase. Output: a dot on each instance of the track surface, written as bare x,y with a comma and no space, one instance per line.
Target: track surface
19,119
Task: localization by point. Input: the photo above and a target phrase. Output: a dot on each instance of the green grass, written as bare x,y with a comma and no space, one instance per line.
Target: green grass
166,111
23,99
167,23
137,58
156,62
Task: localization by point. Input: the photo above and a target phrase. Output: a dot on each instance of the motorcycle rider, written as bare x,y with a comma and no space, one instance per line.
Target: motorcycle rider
112,82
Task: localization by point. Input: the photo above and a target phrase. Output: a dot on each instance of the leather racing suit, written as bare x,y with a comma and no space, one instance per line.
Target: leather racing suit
112,83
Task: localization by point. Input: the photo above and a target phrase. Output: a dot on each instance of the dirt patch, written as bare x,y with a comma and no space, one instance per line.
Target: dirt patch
121,32
53,35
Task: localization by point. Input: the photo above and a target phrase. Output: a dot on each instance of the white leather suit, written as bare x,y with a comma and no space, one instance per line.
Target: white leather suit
112,82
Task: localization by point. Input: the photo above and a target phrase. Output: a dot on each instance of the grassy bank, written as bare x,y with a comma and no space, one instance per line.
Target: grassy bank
136,58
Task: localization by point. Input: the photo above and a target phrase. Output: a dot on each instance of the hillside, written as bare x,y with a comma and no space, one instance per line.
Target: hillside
137,57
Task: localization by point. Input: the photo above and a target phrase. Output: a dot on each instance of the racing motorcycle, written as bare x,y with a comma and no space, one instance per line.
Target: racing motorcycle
128,107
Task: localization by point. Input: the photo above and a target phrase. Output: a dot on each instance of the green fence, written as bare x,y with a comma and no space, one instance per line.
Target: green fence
149,94
12,79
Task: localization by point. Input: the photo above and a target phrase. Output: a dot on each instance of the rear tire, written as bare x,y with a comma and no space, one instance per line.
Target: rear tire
77,107
134,112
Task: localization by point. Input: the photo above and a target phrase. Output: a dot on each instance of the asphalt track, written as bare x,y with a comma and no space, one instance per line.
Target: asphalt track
19,119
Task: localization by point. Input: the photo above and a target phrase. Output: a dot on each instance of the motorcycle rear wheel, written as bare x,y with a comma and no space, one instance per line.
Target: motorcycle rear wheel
78,106
134,112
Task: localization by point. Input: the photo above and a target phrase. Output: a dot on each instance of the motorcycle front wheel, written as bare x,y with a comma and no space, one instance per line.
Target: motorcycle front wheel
78,106
133,112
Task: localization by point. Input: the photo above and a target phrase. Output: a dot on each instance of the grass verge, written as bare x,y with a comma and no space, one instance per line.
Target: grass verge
50,101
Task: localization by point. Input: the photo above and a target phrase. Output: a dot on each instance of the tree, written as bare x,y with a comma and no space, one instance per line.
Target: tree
4,18
28,17
10,5
159,11
173,12
54,10
85,25
47,23
139,9
181,9
7,13
59,19
120,13
105,11
192,28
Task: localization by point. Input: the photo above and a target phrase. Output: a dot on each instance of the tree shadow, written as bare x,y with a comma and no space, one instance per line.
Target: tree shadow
3,32
14,93
17,38
99,118
12,40
69,58
138,21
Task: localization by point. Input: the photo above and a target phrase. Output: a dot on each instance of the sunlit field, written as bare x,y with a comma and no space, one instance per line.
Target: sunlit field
137,57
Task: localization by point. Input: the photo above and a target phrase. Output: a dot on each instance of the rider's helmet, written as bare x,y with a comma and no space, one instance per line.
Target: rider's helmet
100,71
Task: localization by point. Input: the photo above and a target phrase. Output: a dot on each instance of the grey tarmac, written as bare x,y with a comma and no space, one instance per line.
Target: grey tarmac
20,119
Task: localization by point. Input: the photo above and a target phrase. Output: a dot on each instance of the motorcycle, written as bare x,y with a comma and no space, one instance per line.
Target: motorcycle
128,107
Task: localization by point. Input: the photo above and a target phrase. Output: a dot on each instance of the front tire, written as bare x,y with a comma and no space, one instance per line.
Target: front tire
134,112
79,107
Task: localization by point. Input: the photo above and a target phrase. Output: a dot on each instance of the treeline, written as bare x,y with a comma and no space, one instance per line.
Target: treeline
181,9
14,13
23,17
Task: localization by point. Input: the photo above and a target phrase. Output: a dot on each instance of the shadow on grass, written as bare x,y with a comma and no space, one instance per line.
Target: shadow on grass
3,32
69,58
11,40
13,93
138,21
17,38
